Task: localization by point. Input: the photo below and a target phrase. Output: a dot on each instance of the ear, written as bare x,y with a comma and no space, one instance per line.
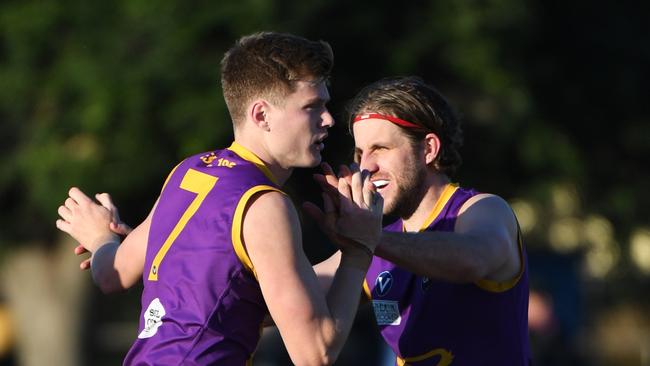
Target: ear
431,147
258,111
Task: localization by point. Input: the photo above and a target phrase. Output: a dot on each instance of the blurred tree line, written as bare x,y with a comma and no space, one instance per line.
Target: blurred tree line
109,96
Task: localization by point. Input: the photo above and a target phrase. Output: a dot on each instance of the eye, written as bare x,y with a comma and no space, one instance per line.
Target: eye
315,106
357,156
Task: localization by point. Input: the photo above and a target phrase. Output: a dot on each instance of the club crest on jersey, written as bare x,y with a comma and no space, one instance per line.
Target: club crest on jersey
209,161
208,158
383,283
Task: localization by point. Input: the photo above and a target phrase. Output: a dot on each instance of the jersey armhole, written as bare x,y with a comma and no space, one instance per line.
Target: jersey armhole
237,225
366,290
496,286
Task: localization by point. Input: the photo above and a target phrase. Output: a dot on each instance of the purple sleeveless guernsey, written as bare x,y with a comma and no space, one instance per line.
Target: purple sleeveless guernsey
435,323
201,303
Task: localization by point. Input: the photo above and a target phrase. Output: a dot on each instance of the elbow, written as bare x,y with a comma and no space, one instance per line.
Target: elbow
323,359
107,284
315,356
312,362
107,287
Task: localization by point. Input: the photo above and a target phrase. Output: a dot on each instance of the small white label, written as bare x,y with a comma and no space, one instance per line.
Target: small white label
152,319
386,312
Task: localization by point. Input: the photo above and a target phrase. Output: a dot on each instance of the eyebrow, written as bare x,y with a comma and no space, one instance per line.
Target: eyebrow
317,100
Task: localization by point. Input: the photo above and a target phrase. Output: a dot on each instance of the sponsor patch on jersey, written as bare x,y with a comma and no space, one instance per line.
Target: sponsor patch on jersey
152,319
386,312
383,283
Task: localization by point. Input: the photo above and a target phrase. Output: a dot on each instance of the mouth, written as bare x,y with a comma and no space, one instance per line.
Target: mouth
380,184
319,144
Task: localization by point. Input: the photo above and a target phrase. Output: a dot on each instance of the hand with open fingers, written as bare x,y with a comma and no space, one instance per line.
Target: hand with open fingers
117,225
360,208
85,221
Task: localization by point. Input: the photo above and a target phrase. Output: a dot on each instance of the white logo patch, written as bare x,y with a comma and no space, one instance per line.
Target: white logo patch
152,319
386,312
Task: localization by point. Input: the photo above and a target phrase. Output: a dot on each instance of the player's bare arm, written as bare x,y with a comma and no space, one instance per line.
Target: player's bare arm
117,267
342,228
312,326
484,245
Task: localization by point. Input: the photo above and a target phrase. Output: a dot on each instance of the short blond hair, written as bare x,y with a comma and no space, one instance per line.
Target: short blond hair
267,64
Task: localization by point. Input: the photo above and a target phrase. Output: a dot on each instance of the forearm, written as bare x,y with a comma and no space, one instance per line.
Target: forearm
460,258
343,299
104,274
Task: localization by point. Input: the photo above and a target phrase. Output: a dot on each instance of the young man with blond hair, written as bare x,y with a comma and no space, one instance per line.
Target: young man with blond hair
222,247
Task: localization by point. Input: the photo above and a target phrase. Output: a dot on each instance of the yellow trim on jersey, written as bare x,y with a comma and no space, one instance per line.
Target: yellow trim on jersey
445,357
449,190
238,220
169,176
496,286
246,154
366,289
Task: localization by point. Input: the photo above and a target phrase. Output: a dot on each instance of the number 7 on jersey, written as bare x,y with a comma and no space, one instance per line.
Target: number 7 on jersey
195,182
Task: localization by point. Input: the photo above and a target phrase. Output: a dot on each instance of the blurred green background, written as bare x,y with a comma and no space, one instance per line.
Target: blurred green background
109,96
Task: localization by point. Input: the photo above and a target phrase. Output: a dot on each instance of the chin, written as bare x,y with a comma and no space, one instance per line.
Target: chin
308,163
314,160
389,206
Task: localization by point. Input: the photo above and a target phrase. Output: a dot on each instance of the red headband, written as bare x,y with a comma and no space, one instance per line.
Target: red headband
392,119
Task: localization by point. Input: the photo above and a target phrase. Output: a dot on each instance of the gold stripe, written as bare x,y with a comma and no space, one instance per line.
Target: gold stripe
496,286
445,357
449,190
246,154
236,232
366,289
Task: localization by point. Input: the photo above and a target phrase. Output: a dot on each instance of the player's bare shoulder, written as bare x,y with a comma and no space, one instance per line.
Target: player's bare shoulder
270,218
488,209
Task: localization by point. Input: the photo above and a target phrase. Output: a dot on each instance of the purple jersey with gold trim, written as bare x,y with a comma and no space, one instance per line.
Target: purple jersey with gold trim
428,322
201,303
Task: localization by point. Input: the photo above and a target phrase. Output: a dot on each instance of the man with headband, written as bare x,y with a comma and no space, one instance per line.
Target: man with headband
448,282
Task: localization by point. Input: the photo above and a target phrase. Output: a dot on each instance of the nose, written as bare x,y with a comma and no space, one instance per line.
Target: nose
327,120
367,161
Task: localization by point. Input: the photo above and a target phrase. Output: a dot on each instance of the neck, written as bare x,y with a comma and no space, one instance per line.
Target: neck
258,148
436,184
